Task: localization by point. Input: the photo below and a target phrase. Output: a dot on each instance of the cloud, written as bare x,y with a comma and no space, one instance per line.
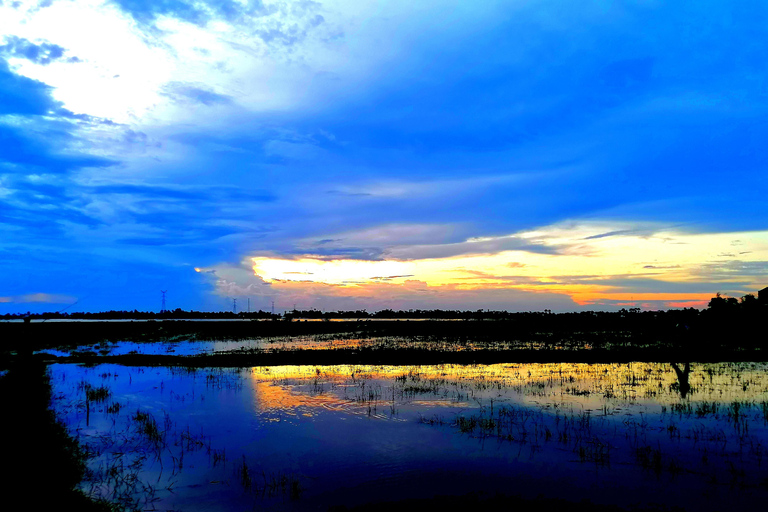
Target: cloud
190,93
37,147
476,275
381,294
24,96
620,232
275,23
415,242
489,245
43,53
37,135
601,267
642,284
184,193
159,215
236,281
198,12
49,298
389,234
289,34
726,270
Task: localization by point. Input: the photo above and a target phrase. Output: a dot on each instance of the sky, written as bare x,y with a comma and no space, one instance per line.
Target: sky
505,155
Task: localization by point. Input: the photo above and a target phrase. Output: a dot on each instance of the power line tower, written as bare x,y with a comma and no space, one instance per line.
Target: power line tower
162,309
273,307
234,306
249,304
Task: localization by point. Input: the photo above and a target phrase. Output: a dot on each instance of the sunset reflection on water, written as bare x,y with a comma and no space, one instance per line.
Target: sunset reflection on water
588,427
588,384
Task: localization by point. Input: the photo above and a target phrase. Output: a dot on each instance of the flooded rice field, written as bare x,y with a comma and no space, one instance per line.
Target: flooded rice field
248,346
312,437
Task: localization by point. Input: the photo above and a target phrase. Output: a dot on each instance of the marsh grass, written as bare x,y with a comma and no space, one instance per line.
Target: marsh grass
267,484
147,426
219,457
118,473
98,394
722,432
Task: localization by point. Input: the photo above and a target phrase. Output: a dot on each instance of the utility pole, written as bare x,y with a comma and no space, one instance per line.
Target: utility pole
162,309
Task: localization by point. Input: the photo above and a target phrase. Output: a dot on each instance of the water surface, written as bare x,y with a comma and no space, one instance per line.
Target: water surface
299,437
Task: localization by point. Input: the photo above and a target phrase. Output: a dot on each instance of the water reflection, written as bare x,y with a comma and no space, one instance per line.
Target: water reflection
183,346
682,378
589,384
291,435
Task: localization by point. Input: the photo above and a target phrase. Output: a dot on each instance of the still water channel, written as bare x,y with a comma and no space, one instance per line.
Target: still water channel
311,437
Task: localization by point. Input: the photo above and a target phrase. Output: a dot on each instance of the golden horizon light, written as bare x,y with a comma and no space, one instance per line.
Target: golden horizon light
577,261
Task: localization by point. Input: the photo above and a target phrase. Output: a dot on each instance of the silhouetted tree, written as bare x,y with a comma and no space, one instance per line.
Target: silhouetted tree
682,378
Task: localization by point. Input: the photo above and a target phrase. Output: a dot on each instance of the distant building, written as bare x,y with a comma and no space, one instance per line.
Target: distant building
762,295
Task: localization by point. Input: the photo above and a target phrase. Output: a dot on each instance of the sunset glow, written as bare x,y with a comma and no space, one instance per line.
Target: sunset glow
587,266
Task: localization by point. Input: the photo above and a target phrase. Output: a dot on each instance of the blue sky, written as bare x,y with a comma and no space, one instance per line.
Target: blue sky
507,155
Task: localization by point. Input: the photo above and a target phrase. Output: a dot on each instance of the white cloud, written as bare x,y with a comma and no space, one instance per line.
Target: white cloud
236,281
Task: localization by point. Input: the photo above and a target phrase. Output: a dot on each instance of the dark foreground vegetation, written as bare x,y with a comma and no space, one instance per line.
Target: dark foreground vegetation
495,502
42,463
